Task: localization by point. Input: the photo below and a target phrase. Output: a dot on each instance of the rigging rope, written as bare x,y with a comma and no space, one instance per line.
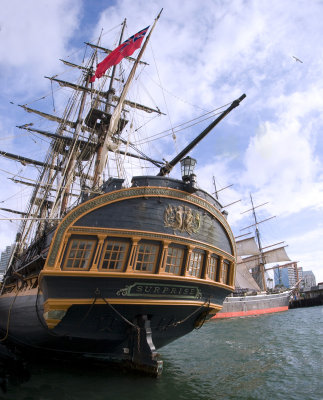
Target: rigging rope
167,111
157,135
172,94
97,292
51,85
174,324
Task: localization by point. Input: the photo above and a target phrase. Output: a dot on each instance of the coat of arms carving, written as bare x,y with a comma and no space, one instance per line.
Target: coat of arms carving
182,218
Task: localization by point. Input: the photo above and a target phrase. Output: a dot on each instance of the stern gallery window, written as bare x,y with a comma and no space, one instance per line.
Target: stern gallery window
146,257
79,254
114,255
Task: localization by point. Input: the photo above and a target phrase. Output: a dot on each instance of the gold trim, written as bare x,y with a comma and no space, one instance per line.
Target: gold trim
60,258
97,253
124,194
64,304
51,323
127,275
137,235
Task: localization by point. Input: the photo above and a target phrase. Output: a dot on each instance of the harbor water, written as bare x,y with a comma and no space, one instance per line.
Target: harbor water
274,356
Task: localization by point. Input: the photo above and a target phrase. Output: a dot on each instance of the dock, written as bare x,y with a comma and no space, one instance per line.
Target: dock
308,297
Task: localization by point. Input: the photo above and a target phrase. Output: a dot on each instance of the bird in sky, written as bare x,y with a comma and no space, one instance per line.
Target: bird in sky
297,59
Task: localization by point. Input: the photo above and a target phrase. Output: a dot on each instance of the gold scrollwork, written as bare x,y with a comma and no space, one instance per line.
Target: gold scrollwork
125,291
123,194
182,218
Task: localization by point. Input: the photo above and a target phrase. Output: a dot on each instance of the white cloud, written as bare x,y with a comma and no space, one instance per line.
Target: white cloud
33,36
206,56
311,253
281,158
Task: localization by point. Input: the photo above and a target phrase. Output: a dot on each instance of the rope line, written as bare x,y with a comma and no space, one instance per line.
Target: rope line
156,137
118,313
190,315
9,316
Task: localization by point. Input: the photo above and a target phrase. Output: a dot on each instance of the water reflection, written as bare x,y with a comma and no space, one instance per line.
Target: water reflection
276,356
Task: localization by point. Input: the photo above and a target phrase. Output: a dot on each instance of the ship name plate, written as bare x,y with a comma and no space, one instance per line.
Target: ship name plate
160,290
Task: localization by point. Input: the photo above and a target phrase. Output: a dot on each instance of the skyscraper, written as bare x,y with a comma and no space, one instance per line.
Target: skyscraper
287,275
4,260
308,279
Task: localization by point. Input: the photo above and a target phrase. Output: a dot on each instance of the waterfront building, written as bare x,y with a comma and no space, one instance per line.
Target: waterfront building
308,280
5,257
287,275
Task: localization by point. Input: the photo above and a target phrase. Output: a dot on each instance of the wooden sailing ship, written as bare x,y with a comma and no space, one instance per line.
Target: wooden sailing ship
251,296
104,270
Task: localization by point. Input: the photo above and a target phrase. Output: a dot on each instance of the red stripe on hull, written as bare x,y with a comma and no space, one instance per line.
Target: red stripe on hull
250,312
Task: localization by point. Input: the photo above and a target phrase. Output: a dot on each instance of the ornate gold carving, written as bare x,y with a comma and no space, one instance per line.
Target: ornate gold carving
124,194
182,218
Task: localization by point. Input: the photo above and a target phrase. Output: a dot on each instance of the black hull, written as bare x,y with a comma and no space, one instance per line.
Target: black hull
124,273
98,330
102,330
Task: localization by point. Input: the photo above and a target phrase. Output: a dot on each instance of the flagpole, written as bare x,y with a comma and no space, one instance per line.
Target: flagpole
133,70
115,67
117,111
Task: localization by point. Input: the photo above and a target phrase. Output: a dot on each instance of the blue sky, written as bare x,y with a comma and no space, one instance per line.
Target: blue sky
204,55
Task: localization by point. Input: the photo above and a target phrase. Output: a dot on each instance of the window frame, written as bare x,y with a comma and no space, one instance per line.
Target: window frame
69,249
108,241
225,268
201,259
181,260
214,265
137,253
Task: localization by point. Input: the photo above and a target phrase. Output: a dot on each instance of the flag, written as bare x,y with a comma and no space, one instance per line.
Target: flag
124,50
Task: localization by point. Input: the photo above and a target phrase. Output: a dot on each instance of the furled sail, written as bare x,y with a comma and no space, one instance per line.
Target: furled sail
50,116
104,94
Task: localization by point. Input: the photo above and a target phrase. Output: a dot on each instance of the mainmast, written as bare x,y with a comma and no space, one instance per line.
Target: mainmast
259,272
255,256
65,185
111,130
105,128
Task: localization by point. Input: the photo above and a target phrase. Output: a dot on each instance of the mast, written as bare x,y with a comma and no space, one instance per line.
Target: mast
260,270
65,189
115,117
215,189
86,133
105,95
58,161
104,134
82,143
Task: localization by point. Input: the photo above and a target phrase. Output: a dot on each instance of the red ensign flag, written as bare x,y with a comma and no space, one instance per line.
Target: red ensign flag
124,50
